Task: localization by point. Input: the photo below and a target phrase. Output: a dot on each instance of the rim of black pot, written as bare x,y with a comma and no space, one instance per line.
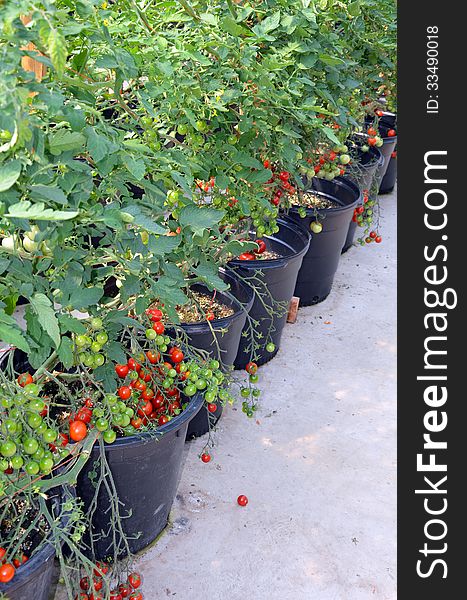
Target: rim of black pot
343,182
194,405
272,262
201,325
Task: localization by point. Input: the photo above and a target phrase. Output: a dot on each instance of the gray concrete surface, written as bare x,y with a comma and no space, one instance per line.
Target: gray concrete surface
318,464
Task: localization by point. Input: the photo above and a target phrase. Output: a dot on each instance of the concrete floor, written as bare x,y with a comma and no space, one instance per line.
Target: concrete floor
318,464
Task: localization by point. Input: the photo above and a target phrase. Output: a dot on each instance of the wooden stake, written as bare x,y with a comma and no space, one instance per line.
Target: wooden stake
28,63
293,310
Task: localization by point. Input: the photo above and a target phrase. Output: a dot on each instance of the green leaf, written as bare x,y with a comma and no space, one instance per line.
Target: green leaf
81,298
68,323
268,24
163,244
115,352
98,145
107,376
144,221
58,51
332,61
354,8
48,192
135,166
9,173
200,218
38,212
46,316
230,26
208,272
65,352
209,18
63,140
11,334
248,161
331,135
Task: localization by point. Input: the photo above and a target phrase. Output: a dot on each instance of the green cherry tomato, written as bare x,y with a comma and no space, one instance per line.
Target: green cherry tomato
125,420
17,462
102,424
111,399
34,420
102,338
81,341
32,389
42,428
9,426
245,392
201,384
30,445
96,323
46,464
151,334
49,436
32,467
214,365
270,347
254,378
190,390
96,347
98,360
8,449
109,436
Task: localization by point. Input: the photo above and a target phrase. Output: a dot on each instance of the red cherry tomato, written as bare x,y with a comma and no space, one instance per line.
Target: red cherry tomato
261,246
78,430
124,392
372,132
159,328
122,371
134,366
212,407
134,579
152,356
251,368
162,420
246,256
25,379
392,133
205,457
242,500
177,356
371,141
124,590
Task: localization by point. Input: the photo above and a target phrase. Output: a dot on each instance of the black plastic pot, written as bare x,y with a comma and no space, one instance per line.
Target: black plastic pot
222,341
145,470
367,169
279,277
34,578
320,263
388,147
389,180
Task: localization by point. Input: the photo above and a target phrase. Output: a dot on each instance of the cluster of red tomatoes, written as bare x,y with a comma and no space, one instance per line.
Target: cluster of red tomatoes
92,588
8,569
254,254
281,183
206,186
363,215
